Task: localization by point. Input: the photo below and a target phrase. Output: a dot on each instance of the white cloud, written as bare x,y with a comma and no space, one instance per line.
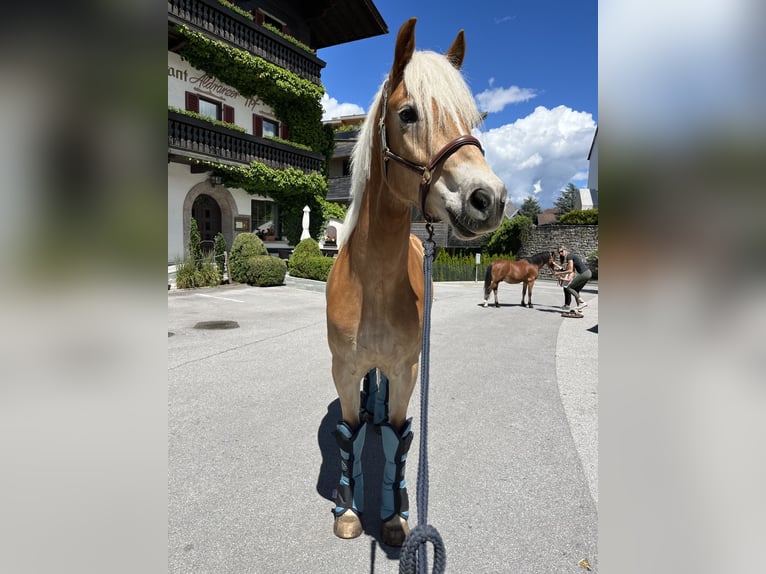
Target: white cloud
495,99
541,153
332,109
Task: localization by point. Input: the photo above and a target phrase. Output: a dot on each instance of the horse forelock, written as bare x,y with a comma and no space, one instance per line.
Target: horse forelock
428,78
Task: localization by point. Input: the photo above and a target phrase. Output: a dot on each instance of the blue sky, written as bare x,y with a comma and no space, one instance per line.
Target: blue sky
532,65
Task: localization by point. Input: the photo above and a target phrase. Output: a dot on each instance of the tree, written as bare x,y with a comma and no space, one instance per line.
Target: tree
566,202
195,249
530,208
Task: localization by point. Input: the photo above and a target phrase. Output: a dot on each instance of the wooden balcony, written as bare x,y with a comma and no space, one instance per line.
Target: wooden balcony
190,137
215,20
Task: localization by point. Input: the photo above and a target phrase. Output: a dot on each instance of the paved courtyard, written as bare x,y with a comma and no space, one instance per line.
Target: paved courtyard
253,463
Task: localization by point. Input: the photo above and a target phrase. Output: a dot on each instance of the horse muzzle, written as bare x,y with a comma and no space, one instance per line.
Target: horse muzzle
480,211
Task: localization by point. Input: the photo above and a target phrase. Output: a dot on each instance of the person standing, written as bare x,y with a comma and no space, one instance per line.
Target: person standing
573,263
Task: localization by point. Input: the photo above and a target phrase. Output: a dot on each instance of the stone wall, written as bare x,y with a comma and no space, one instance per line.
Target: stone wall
579,239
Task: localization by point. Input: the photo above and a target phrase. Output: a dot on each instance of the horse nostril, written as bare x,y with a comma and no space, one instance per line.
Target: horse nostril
480,200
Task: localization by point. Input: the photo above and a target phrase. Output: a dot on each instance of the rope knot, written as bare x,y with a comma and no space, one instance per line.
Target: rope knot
415,546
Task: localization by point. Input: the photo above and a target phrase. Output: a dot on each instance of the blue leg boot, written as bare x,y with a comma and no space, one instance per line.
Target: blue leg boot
394,504
349,498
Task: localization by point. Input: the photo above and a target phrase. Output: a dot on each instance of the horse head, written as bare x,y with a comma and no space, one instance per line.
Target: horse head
430,159
552,260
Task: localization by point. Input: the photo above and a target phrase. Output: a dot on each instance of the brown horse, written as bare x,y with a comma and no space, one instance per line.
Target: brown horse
414,149
523,271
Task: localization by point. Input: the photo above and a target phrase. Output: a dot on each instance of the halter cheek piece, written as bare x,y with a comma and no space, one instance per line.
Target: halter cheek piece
425,171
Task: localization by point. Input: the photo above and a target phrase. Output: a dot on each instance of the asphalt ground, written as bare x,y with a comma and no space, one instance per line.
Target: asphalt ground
512,435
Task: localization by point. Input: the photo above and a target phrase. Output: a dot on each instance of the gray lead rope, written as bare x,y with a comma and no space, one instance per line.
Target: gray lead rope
414,551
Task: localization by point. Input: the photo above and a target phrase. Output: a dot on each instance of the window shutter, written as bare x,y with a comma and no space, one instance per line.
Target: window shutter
228,114
258,17
257,126
192,102
284,133
286,30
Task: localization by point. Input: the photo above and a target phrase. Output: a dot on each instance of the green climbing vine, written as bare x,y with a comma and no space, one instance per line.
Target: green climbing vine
294,100
291,188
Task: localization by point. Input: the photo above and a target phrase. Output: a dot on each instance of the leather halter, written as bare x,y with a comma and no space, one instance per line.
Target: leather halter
425,171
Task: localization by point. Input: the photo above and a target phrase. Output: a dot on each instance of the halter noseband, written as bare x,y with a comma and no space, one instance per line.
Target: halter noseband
425,171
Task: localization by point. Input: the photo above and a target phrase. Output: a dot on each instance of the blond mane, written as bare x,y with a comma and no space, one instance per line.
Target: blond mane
429,77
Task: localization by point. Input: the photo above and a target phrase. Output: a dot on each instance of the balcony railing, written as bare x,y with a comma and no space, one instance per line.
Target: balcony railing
216,20
202,139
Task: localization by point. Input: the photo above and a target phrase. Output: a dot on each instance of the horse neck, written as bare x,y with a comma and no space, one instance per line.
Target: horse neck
381,236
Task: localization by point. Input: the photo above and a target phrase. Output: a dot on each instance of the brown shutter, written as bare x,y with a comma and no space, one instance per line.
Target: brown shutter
192,102
258,16
284,133
228,114
286,30
257,126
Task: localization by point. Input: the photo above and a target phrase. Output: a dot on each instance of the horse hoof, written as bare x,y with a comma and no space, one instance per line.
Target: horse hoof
394,531
497,305
485,305
347,525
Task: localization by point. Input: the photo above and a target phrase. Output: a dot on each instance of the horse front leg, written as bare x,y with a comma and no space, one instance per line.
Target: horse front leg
523,292
396,435
529,300
350,434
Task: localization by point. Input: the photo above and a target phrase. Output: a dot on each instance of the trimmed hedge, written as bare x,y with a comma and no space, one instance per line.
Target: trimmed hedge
580,217
245,246
308,262
264,271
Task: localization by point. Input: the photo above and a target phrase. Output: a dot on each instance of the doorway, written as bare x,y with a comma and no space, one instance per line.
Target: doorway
207,213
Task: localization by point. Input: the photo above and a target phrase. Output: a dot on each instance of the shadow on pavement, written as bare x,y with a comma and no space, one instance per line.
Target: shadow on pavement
372,465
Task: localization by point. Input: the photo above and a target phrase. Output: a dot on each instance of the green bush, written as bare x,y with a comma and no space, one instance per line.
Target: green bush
592,260
245,246
580,217
191,274
319,267
264,271
308,262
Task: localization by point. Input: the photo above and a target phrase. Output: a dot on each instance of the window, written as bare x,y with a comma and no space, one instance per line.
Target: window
270,129
210,108
262,216
266,128
346,167
262,17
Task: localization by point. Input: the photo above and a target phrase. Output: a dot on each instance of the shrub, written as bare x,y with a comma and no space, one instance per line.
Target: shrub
592,260
220,257
195,249
319,267
264,271
509,237
308,262
245,246
191,274
580,217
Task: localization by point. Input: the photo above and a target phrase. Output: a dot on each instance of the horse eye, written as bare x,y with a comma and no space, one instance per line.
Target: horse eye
408,115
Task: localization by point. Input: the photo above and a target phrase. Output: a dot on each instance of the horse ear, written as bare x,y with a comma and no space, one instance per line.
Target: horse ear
456,52
405,46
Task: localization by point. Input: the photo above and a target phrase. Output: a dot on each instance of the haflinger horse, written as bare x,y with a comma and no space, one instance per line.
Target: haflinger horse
523,271
414,149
